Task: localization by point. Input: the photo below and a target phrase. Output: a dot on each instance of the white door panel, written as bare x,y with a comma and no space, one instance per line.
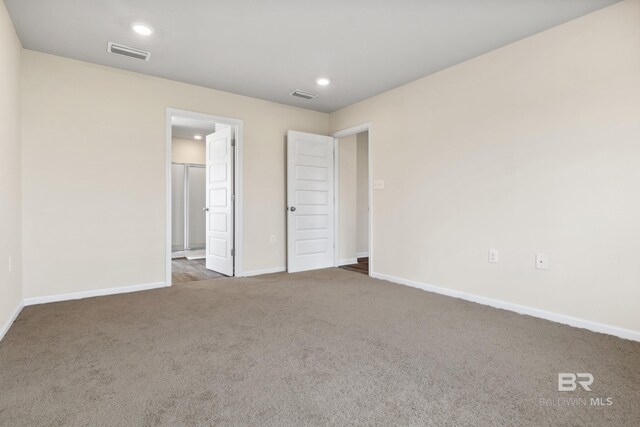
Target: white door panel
310,201
219,218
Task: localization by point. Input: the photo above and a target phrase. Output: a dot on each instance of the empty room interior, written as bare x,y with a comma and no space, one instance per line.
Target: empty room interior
320,213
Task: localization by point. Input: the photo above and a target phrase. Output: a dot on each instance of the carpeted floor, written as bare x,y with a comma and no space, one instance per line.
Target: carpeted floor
316,348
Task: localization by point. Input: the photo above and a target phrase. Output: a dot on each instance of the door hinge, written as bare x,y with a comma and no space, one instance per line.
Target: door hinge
233,142
233,252
233,197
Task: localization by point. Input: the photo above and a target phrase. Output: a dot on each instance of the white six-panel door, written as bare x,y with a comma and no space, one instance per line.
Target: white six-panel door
219,203
310,201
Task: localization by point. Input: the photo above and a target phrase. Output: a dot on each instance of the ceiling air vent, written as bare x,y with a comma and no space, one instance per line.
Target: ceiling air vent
302,94
131,52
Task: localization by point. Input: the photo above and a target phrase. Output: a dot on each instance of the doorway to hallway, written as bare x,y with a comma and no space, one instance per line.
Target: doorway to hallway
204,196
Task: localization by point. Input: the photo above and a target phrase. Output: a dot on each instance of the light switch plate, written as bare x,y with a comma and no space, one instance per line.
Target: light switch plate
378,184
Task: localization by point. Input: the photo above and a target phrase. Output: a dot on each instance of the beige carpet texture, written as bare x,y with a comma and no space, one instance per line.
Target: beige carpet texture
329,347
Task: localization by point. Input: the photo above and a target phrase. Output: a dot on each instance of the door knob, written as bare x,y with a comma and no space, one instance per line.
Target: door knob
292,208
205,209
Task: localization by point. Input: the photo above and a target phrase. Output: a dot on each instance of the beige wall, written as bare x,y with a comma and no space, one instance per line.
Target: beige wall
362,207
347,198
10,239
94,193
188,151
534,147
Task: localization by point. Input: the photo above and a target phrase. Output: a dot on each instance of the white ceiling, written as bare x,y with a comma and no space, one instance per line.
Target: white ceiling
188,128
267,49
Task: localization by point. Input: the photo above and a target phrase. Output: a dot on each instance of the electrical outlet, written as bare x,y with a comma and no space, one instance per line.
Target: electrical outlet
273,238
542,261
378,184
493,256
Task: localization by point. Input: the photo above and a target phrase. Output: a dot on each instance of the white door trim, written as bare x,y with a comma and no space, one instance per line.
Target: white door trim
238,174
365,127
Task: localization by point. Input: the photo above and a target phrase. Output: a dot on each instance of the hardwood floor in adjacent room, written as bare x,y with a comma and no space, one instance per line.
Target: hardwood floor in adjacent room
184,270
361,267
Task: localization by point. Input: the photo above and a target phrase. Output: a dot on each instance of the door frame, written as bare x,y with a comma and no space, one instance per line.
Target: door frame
365,127
238,270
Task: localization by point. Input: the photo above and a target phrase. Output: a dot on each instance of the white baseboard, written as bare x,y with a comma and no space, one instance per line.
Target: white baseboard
9,322
93,293
265,271
362,255
521,309
347,261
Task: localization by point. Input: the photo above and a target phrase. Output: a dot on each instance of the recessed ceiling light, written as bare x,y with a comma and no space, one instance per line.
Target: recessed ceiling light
142,29
323,81
197,137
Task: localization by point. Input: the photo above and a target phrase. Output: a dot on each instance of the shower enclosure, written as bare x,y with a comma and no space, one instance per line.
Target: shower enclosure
188,198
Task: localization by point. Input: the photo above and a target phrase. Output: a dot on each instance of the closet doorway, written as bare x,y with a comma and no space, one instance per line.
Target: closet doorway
329,199
352,201
203,196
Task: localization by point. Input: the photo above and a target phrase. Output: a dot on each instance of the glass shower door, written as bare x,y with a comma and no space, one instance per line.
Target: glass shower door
196,199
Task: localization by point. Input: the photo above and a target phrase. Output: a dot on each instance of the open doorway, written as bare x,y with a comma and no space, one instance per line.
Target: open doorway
315,206
203,156
352,194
